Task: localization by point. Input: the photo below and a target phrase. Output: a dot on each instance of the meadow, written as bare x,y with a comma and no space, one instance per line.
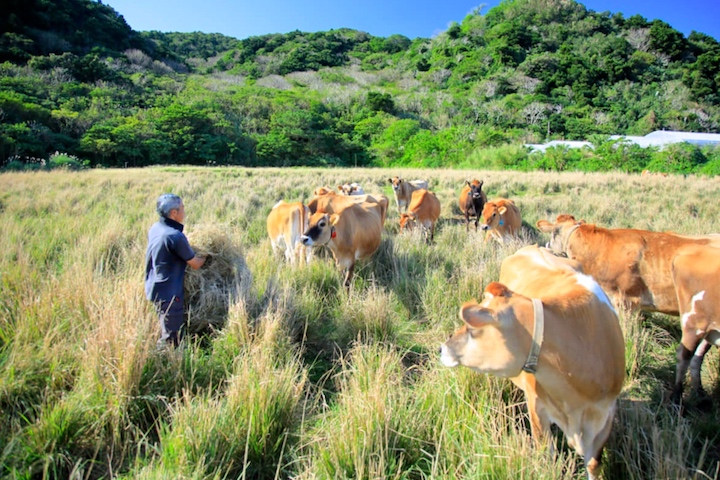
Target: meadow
306,380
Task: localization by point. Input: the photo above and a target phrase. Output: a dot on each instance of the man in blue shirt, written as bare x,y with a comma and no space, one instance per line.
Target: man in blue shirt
168,253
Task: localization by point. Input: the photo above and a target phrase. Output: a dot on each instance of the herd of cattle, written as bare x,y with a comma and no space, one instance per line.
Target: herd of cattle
550,306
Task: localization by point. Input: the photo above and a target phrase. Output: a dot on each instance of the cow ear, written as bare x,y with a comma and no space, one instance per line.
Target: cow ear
497,289
476,316
564,217
467,182
544,226
334,219
502,210
481,183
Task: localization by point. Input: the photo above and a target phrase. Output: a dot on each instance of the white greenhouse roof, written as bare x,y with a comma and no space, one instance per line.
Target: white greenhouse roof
658,138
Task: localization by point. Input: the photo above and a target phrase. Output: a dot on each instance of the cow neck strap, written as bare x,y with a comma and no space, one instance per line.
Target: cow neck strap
566,242
537,340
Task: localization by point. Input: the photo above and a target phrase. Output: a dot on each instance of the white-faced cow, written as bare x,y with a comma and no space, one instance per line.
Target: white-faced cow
472,199
424,211
402,189
652,271
351,189
352,234
500,218
286,223
554,333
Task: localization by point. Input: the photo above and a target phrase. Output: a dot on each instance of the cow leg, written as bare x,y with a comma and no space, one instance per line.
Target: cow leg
685,350
594,449
696,366
539,423
348,276
289,254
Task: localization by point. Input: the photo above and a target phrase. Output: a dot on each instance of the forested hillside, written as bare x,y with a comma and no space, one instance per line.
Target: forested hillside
77,80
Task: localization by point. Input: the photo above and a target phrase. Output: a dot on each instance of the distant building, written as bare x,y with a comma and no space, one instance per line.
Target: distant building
658,138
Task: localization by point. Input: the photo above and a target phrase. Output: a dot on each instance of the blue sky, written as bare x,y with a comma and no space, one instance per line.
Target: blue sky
412,18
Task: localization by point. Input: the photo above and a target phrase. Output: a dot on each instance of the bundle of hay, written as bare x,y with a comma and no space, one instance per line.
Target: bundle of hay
210,290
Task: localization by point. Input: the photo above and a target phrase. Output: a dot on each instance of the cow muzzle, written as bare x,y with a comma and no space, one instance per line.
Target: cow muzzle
447,358
307,241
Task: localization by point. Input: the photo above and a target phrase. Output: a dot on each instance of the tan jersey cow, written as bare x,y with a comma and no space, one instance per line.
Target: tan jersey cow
652,271
352,234
402,189
472,200
571,370
286,223
500,218
336,203
424,211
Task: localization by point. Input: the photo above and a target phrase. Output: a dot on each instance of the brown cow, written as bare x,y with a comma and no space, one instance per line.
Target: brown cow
425,210
472,200
652,271
351,234
500,218
402,189
286,223
554,333
336,203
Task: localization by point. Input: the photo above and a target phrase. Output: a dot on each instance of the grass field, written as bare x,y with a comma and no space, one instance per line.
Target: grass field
306,380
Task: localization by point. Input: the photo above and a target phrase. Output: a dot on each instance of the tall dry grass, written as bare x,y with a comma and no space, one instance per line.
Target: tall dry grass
301,378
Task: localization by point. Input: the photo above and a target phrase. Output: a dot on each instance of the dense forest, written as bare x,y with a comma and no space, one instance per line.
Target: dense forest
79,87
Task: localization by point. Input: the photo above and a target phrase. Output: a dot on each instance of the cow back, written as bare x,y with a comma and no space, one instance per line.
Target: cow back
359,231
583,338
425,206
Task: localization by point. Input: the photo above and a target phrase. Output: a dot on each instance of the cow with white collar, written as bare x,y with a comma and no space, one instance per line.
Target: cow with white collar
554,333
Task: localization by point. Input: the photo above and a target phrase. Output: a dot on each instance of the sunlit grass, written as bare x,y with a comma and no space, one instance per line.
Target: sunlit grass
306,379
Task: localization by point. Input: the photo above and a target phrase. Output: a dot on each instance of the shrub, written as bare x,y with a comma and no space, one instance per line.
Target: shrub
66,161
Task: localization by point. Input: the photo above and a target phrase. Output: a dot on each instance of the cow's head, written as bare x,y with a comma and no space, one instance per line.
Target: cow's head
559,231
349,188
321,229
396,182
492,216
407,221
492,340
475,189
323,191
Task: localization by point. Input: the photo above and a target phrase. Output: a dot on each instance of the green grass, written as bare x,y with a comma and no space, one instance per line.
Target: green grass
306,380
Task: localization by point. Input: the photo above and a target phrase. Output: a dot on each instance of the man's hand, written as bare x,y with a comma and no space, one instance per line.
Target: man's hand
196,262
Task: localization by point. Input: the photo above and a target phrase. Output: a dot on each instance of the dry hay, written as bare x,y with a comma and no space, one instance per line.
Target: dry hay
210,290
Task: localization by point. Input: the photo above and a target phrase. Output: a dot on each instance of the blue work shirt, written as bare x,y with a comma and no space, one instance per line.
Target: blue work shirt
167,254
